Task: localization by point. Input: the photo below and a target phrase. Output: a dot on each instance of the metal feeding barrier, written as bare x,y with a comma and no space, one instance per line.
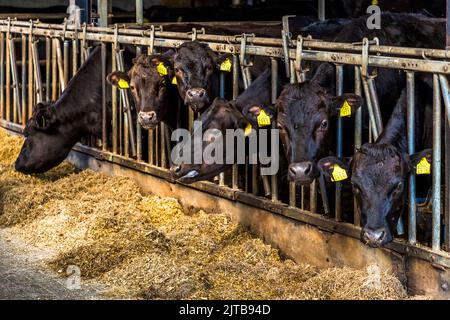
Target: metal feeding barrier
127,141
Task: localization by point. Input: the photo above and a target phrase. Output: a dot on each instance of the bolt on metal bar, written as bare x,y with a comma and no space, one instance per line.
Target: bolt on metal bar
338,185
436,165
411,150
358,138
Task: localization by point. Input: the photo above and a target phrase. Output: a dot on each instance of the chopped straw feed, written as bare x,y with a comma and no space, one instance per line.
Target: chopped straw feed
144,246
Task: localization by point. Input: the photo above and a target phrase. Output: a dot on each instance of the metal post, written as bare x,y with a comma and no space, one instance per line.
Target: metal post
274,78
339,91
24,79
59,59
446,95
74,57
373,123
47,67
54,71
321,10
139,11
37,72
30,76
66,61
436,166
375,104
411,150
234,168
15,81
102,8
222,95
104,120
358,139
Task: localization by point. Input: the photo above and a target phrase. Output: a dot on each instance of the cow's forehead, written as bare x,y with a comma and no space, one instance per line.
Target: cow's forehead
376,172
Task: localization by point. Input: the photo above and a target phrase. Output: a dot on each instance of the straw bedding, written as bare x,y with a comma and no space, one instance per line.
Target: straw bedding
146,247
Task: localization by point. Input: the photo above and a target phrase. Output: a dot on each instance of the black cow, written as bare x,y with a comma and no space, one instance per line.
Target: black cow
307,111
197,70
151,80
379,171
55,127
223,115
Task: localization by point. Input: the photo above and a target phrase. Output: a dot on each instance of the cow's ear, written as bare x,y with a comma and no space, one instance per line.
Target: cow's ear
334,169
119,79
325,75
420,162
346,105
259,115
224,62
44,118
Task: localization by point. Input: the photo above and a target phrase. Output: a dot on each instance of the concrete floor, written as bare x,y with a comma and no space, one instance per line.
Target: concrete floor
24,277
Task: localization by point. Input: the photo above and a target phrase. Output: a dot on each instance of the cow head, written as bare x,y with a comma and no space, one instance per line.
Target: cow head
149,80
197,72
219,117
378,174
43,147
306,114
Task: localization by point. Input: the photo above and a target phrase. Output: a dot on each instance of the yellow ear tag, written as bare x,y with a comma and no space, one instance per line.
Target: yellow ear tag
123,84
174,81
374,2
346,110
161,68
423,167
263,119
338,174
248,130
226,65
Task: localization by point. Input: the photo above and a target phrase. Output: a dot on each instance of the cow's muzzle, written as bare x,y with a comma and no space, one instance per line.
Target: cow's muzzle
148,120
375,238
197,99
302,172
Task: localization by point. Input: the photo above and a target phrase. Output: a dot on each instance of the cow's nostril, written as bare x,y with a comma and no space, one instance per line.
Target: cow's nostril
201,93
176,169
307,168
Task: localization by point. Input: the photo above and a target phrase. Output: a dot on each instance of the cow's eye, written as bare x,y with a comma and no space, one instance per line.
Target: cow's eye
356,190
324,125
132,87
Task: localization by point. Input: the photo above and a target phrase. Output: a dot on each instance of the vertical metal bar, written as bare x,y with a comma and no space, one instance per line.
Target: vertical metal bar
222,95
139,11
30,76
163,145
292,187
102,8
54,71
358,138
323,192
114,99
37,72
321,9
436,166
411,150
24,79
339,91
17,108
104,120
59,59
274,79
234,168
447,141
374,127
47,67
74,57
66,61
2,74
446,96
8,81
375,104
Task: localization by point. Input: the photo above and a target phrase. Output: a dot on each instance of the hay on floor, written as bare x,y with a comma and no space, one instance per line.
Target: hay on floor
148,247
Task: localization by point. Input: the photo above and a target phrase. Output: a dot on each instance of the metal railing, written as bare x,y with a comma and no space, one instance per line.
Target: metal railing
127,138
